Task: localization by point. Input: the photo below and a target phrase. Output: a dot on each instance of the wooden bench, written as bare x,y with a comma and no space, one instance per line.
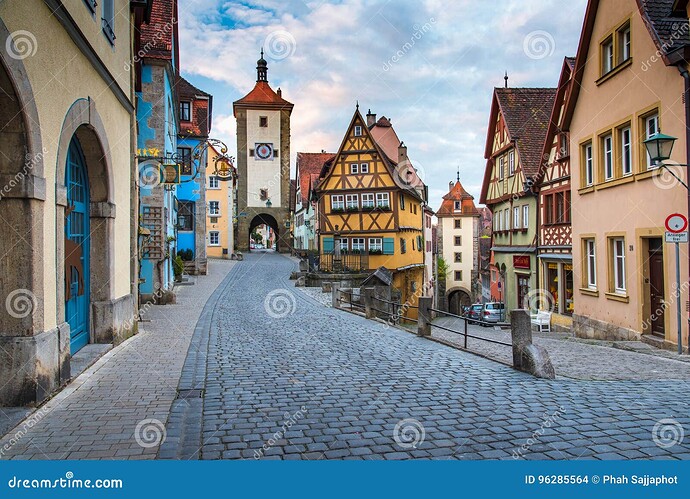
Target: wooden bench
542,320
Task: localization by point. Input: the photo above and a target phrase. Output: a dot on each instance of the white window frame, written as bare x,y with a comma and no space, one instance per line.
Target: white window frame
618,254
607,145
511,163
625,44
589,165
368,200
358,243
351,201
211,233
591,259
525,216
626,151
506,219
498,219
376,243
337,202
652,119
383,200
213,182
354,168
358,131
211,211
343,242
516,217
607,54
501,168
457,205
364,168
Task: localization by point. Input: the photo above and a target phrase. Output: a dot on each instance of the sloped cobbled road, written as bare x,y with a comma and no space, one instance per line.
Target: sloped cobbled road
282,377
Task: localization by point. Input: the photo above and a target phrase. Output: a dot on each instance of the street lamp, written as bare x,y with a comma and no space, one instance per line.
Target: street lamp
659,147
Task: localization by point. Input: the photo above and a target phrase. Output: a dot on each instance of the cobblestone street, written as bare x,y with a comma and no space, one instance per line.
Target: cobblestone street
269,372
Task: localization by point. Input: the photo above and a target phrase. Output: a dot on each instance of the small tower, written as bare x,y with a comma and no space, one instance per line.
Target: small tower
263,161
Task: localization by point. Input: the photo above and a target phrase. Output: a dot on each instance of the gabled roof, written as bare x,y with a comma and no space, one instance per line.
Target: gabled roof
381,276
160,35
202,109
457,193
263,96
526,113
658,18
554,127
308,164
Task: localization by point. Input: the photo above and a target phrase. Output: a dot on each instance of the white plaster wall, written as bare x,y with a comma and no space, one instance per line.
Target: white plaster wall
263,174
449,232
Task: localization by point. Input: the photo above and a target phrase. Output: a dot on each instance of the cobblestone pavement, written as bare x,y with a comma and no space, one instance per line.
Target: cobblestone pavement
571,358
129,390
286,378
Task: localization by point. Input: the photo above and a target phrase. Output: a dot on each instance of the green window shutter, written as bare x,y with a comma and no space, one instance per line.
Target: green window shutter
388,245
327,245
420,243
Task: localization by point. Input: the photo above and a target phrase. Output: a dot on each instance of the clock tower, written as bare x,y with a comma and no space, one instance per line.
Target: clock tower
263,161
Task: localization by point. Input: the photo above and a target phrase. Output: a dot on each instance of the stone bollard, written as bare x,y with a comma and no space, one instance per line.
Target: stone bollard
528,357
335,294
369,311
424,316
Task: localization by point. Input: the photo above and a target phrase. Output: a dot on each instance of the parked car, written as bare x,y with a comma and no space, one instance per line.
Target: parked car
474,314
493,312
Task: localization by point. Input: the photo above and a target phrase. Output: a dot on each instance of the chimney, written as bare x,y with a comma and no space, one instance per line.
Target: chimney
402,152
279,92
371,119
450,186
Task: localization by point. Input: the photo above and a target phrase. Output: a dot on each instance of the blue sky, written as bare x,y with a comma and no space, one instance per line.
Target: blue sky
428,65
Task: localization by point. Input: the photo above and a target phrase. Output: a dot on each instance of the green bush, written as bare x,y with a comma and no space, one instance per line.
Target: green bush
187,255
178,267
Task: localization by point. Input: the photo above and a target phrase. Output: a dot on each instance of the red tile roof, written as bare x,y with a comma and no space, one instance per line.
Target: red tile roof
527,112
457,193
202,106
158,36
309,164
263,96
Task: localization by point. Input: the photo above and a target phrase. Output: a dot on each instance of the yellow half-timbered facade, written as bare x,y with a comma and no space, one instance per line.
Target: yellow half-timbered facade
371,204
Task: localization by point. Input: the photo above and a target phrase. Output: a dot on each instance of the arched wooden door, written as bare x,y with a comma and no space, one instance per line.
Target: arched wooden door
77,247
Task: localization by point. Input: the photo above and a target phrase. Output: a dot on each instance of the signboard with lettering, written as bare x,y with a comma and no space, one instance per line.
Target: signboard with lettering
521,261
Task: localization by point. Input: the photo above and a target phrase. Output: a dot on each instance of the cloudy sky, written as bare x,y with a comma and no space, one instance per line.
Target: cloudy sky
428,65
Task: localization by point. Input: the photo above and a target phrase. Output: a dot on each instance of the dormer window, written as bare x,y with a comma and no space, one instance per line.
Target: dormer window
358,131
458,206
185,111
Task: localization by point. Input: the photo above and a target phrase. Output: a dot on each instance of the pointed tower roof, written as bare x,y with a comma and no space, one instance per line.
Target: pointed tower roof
262,95
457,193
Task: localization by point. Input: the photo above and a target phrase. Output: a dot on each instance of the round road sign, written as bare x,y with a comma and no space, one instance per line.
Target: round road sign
676,223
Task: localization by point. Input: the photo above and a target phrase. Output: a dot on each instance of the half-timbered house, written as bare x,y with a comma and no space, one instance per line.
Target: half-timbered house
555,232
371,207
517,128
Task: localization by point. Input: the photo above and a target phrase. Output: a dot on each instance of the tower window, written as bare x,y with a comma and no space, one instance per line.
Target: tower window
358,131
263,121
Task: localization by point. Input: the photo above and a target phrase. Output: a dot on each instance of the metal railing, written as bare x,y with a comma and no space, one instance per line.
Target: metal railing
464,331
343,263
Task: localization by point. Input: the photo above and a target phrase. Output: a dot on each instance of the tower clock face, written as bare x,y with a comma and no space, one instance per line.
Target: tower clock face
264,151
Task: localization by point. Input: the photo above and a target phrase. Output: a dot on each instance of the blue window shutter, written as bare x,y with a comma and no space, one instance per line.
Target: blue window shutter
328,245
388,245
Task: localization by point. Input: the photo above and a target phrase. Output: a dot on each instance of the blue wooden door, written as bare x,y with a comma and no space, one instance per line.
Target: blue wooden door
77,248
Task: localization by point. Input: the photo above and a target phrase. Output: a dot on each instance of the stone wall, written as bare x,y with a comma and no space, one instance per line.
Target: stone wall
586,327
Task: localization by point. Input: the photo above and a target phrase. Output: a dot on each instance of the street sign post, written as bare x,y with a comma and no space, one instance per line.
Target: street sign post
676,233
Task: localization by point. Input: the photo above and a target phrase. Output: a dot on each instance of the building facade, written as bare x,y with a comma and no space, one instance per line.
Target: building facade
158,125
626,88
66,169
514,142
370,206
458,223
555,232
308,169
263,161
221,210
195,111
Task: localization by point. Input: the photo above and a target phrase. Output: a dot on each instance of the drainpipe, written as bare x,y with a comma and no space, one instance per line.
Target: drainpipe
686,94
